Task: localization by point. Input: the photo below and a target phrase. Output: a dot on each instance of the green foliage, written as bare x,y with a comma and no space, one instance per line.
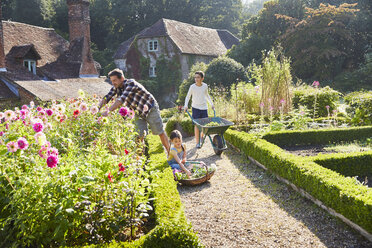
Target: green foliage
87,198
166,114
360,107
184,87
274,77
224,71
168,73
313,55
185,124
304,95
247,97
352,200
360,78
262,31
350,164
317,137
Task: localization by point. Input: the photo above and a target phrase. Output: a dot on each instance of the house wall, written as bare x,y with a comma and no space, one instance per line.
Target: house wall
132,63
187,60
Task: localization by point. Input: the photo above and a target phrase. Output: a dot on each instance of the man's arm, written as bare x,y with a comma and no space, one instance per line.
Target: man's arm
102,103
107,98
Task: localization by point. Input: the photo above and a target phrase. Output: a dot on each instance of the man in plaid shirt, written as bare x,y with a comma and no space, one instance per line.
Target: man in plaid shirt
137,98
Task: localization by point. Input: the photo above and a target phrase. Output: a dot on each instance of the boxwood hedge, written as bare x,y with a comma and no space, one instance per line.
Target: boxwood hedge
317,137
340,193
172,228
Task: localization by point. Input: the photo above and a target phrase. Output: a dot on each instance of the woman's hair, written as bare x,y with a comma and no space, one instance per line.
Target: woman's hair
176,134
200,73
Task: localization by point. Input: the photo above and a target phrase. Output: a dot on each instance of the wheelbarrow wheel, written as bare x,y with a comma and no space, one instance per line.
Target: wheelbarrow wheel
217,144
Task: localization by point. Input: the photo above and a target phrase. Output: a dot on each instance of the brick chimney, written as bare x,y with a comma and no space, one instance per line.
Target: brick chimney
79,28
2,53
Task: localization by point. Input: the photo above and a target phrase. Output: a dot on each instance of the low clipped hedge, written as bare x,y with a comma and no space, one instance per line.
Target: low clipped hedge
351,164
317,137
336,191
172,228
175,123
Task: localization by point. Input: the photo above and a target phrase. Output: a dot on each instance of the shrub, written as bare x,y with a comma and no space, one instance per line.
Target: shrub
360,107
317,137
360,78
224,71
305,95
351,164
181,123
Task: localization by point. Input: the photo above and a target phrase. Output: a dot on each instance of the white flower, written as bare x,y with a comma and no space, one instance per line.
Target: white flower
60,108
94,110
83,106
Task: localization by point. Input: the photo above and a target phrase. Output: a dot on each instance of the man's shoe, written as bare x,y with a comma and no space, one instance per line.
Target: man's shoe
198,146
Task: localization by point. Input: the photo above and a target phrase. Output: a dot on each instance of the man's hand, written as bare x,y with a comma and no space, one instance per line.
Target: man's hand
185,109
213,107
183,161
105,113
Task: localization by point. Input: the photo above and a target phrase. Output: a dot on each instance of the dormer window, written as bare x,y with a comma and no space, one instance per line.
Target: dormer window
30,65
152,45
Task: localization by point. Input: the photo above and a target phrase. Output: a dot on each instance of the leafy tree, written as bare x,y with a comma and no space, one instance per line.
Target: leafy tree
261,32
321,45
224,71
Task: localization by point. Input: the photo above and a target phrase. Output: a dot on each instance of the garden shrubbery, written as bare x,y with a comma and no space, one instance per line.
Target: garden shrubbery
69,176
360,107
306,95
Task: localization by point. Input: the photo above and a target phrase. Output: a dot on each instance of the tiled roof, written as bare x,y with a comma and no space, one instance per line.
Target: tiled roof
188,38
22,51
47,42
49,90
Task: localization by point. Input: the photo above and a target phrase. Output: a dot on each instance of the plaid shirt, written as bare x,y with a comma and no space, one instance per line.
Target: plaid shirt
134,95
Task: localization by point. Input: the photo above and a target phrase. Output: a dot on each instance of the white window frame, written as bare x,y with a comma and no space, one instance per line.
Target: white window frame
152,71
151,45
31,65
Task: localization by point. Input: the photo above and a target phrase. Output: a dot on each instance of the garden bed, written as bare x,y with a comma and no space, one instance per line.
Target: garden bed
69,177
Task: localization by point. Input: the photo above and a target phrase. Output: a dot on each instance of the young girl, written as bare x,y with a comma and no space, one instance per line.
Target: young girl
200,96
177,154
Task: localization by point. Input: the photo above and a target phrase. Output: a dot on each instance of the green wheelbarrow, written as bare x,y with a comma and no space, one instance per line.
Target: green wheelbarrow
213,125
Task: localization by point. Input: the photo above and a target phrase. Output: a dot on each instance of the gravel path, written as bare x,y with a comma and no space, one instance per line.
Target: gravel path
244,206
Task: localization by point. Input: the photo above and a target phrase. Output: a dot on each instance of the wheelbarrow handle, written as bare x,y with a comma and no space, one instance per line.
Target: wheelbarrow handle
189,115
214,111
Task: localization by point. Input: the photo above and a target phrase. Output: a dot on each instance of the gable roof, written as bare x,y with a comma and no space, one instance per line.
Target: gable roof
21,51
188,38
47,42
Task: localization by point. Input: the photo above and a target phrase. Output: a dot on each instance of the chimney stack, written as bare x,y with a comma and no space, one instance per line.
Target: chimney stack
2,53
79,28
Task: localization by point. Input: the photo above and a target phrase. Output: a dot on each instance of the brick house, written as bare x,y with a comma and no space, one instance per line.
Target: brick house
170,38
38,64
